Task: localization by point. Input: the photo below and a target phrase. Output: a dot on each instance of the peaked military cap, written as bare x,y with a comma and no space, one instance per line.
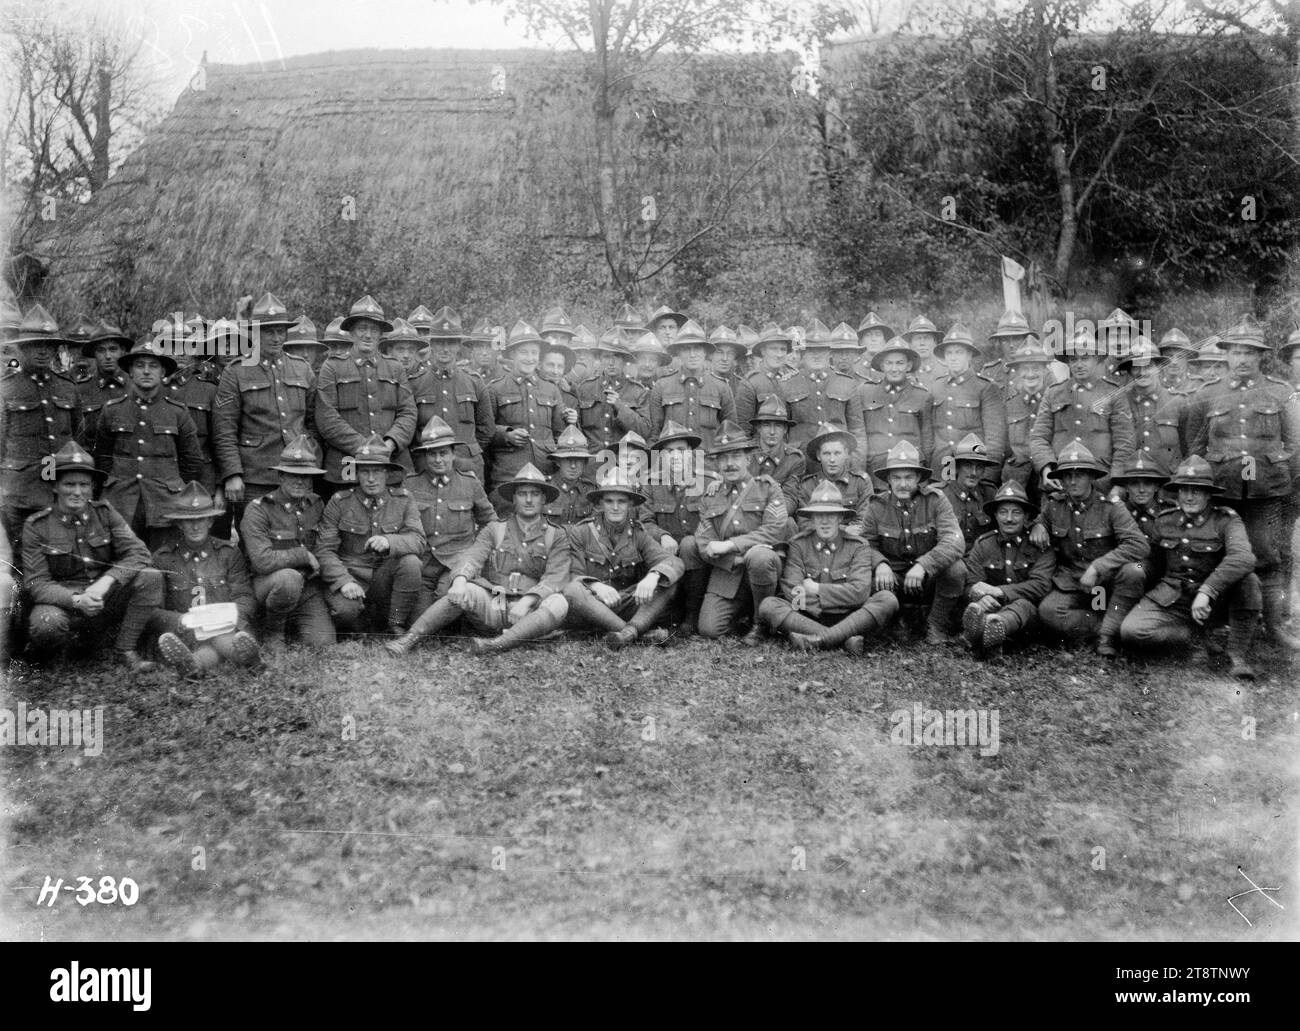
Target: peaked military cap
444,324
1011,492
771,333
299,456
1012,324
1211,351
150,347
193,502
556,320
817,334
748,337
303,334
401,333
1077,456
81,330
106,331
1142,352
436,434
335,333
772,409
648,343
1194,471
1031,352
826,499
368,309
374,452
665,312
632,439
571,443
522,333
1292,342
1140,467
1246,332
421,318
38,327
270,311
896,345
691,334
1174,344
672,431
732,437
874,321
73,458
826,432
11,317
484,330
630,319
902,457
528,476
922,325
615,481
1084,342
971,449
843,338
612,341
725,336
958,335
585,340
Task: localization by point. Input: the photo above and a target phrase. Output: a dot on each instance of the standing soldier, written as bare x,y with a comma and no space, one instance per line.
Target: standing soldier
1157,414
105,344
527,413
826,599
913,528
692,396
1087,409
481,345
557,361
829,452
1007,575
200,569
453,507
731,564
845,350
816,394
623,581
278,533
147,445
362,395
672,508
1208,367
558,331
456,396
969,491
510,580
371,547
775,456
83,568
194,385
1175,373
1209,571
728,353
768,371
1099,551
79,367
1248,427
610,404
41,416
965,402
336,340
423,321
1010,335
260,408
923,335
403,345
1027,368
570,459
873,332
302,342
651,359
665,323
895,408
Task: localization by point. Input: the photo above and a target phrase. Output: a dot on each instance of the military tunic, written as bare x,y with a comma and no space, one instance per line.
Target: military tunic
196,388
842,567
968,507
452,510
1157,426
855,490
523,402
604,424
513,561
279,536
754,389
1092,412
461,401
258,410
150,449
891,413
698,403
572,505
671,510
357,397
923,532
41,415
786,466
214,574
964,404
1019,568
91,395
814,398
1022,410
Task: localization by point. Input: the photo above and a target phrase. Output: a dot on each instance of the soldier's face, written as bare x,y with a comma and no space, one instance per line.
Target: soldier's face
826,525
666,330
842,361
524,359
366,334
1010,518
968,474
1142,492
553,366
295,485
611,364
584,360
195,531
647,365
372,479
724,360
771,435
1010,345
733,465
1032,376
773,355
955,359
816,358
615,507
443,353
692,358
484,357
1193,500
271,339
834,458
676,459
632,460
873,339
1145,375
407,352
1243,361
895,368
923,344
106,356
146,373
1083,367
1077,483
439,460
1174,372
38,356
528,502
570,468
73,492
903,483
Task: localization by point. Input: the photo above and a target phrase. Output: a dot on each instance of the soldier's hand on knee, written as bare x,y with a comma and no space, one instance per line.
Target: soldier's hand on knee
645,590
604,593
915,580
1038,536
353,591
668,544
313,564
521,608
87,604
377,544
716,549
989,603
1089,579
1201,606
885,578
458,594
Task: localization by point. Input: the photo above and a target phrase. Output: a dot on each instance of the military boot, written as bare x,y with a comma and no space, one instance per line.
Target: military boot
537,623
1241,632
1274,610
442,613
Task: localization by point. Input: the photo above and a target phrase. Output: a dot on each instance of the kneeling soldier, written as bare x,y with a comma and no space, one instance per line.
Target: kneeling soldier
730,558
1097,545
829,452
1209,569
1007,574
914,529
202,570
278,532
968,494
1142,480
570,459
510,579
623,581
371,545
826,599
83,568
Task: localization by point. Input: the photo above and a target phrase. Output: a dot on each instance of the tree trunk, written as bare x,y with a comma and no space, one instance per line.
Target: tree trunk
99,160
1049,96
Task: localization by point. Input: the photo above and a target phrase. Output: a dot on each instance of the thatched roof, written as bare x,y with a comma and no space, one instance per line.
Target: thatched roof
242,186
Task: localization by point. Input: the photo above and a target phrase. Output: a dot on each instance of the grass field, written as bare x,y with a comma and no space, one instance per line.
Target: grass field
695,790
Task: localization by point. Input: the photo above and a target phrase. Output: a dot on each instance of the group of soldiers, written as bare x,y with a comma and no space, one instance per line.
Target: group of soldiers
406,478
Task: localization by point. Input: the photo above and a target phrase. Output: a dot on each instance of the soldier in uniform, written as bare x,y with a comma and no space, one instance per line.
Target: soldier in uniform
79,366
968,490
1208,569
1099,551
454,395
453,507
370,545
402,343
1288,355
1027,368
692,396
1248,428
825,599
609,404
83,568
913,528
1007,574
672,507
1157,414
260,408
194,385
845,351
1086,409
816,395
830,453
423,321
481,342
337,341
557,361
894,408
148,446
965,402
1208,367
873,333
41,416
651,360
570,459
510,580
731,564
302,342
728,354
1010,335
665,324
278,533
623,581
922,335
362,395
527,413
105,344
768,371
201,569
1175,373
775,456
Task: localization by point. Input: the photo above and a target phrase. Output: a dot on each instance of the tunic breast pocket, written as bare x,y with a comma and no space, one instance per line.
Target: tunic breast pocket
465,403
1266,420
710,411
63,564
353,534
349,394
1096,542
387,392
459,517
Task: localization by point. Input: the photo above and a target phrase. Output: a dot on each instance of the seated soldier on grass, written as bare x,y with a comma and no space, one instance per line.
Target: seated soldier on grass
510,580
371,546
570,459
1141,481
968,494
202,570
775,456
1209,572
830,451
1007,575
672,509
913,528
623,581
826,599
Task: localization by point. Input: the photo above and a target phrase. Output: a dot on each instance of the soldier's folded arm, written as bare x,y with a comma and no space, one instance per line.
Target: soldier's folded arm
774,527
225,426
556,574
950,546
38,585
255,536
333,428
1123,435
633,420
406,420
1131,543
854,591
669,567
1238,559
993,415
410,540
1037,584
